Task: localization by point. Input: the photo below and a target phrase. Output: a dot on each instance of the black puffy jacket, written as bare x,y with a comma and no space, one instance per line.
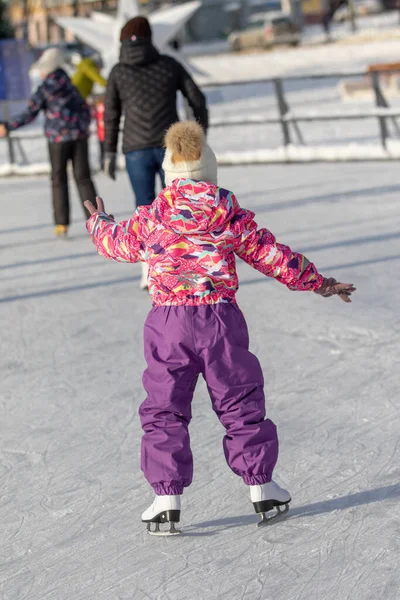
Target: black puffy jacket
143,85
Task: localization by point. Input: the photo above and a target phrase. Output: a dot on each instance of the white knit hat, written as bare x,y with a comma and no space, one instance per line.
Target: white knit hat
188,156
50,60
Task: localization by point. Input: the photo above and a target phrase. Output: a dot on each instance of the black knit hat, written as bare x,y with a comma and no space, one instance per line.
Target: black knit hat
138,27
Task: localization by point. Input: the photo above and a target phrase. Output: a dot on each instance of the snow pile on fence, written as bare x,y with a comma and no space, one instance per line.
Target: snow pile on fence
293,154
282,154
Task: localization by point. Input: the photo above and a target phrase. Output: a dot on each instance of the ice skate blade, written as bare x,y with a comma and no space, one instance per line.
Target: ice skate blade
278,516
165,533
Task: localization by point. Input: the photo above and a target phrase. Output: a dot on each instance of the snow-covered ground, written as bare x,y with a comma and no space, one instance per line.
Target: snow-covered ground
296,61
71,489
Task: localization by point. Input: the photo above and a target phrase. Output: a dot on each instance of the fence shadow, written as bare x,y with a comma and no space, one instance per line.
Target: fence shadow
50,259
368,239
335,197
69,289
41,241
344,502
125,214
93,264
318,508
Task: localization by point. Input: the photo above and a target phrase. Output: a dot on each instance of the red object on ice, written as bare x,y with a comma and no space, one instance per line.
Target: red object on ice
100,121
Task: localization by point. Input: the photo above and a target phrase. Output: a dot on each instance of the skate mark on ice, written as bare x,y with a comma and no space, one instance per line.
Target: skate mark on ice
197,533
227,523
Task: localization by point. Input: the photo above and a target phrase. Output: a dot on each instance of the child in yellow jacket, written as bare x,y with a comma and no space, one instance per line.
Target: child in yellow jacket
86,75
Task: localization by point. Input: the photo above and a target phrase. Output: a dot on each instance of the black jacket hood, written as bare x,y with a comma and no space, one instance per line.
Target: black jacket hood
139,52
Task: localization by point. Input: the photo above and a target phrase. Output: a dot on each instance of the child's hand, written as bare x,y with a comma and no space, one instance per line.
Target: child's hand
100,207
331,287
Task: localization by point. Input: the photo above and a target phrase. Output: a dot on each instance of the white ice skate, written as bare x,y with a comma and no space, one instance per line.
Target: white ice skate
165,509
145,273
266,497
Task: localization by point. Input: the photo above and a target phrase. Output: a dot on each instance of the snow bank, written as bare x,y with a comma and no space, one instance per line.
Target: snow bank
292,153
40,168
282,154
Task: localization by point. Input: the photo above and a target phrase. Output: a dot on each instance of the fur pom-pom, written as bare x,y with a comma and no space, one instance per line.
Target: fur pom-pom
185,141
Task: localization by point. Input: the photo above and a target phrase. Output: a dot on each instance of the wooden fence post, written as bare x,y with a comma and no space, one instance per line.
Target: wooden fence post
10,142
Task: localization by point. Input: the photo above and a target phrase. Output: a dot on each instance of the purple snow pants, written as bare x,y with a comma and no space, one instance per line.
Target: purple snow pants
180,343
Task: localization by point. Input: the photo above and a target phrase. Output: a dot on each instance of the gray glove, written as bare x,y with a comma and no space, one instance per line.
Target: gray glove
331,287
110,165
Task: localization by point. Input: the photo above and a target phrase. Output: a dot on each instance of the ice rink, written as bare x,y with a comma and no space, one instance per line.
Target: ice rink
71,489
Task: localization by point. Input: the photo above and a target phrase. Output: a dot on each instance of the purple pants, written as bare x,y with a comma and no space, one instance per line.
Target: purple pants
180,343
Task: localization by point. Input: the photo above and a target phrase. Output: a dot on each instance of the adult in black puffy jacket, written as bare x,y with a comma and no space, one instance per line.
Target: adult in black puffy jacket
144,86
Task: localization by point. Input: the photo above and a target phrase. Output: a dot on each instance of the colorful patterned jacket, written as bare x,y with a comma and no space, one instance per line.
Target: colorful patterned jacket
67,114
189,237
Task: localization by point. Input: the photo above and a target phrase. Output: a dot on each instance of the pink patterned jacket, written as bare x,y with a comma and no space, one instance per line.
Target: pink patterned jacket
189,237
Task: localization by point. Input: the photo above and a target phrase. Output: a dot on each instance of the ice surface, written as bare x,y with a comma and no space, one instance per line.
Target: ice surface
71,489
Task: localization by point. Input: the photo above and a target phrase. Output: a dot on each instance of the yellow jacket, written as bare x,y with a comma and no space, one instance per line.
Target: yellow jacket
86,75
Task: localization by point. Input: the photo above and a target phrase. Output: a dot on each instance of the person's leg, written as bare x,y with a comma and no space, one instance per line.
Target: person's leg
142,170
235,383
59,155
159,154
326,22
82,175
169,380
144,280
101,153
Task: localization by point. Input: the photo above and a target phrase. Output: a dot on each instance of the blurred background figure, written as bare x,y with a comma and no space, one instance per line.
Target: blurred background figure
66,129
87,74
98,113
143,85
330,8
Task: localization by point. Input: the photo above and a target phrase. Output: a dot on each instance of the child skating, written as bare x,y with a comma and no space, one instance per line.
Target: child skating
189,237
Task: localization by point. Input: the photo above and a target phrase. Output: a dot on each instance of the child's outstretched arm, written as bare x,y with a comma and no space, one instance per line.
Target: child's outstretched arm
259,248
116,241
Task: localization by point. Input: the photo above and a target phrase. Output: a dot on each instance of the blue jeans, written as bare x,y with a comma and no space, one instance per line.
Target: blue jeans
142,167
